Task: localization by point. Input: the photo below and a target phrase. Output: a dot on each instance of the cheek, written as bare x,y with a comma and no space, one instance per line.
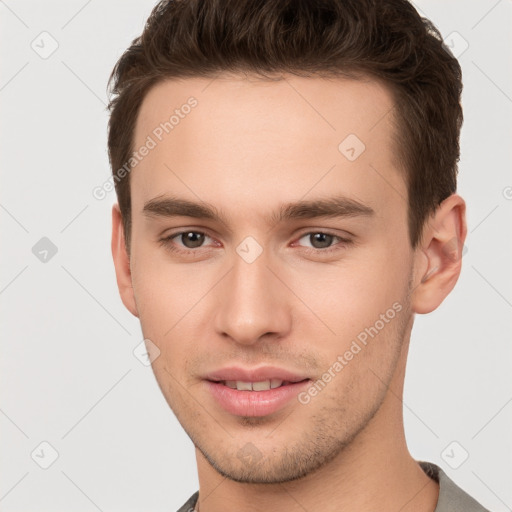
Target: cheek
171,301
165,292
352,294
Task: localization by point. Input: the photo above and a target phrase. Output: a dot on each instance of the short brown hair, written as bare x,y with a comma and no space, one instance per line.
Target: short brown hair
382,39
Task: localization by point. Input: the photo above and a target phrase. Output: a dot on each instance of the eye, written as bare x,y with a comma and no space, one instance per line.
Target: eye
185,241
320,240
191,239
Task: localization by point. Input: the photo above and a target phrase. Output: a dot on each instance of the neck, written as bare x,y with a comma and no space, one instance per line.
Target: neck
374,472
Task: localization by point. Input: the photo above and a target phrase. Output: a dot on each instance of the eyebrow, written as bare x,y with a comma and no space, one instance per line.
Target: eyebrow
332,207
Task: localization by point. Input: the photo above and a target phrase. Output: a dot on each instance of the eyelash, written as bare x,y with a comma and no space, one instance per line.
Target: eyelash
337,246
167,242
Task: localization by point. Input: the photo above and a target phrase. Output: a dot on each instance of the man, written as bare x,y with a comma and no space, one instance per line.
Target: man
286,178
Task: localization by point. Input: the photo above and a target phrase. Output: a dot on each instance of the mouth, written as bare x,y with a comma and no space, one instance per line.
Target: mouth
257,398
263,385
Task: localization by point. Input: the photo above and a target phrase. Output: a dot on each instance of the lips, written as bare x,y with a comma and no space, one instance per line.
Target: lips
260,374
256,392
262,385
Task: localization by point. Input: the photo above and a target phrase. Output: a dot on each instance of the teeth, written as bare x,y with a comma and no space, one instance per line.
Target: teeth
243,386
263,385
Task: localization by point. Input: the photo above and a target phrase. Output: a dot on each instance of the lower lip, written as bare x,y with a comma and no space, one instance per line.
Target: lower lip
254,403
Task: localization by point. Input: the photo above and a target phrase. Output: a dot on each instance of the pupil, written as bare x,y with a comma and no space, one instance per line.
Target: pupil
320,240
192,239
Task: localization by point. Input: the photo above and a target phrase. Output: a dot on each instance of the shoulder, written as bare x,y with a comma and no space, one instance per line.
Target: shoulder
451,497
189,506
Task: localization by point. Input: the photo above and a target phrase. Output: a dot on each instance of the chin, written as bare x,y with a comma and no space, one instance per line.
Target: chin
274,465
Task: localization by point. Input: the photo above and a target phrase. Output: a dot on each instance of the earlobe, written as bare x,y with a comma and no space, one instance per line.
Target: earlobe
122,262
438,259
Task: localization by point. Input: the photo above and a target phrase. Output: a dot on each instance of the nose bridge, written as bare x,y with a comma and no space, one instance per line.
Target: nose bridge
251,300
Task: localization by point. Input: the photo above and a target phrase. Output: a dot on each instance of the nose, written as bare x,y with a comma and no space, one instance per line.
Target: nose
252,303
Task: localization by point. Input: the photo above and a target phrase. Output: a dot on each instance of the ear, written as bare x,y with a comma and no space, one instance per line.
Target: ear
438,257
122,262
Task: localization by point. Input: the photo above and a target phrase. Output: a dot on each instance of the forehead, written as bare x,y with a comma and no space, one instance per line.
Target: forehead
239,139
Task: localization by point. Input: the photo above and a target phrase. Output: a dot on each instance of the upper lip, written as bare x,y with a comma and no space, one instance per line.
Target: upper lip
254,374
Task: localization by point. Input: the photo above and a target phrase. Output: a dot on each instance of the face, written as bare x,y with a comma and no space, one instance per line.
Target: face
279,294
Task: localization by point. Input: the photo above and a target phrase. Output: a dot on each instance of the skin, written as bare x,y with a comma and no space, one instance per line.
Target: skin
249,146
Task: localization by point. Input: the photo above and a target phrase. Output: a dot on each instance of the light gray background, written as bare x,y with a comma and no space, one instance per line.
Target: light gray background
68,374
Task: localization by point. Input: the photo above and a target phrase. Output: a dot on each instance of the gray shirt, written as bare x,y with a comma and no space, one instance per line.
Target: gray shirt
451,497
